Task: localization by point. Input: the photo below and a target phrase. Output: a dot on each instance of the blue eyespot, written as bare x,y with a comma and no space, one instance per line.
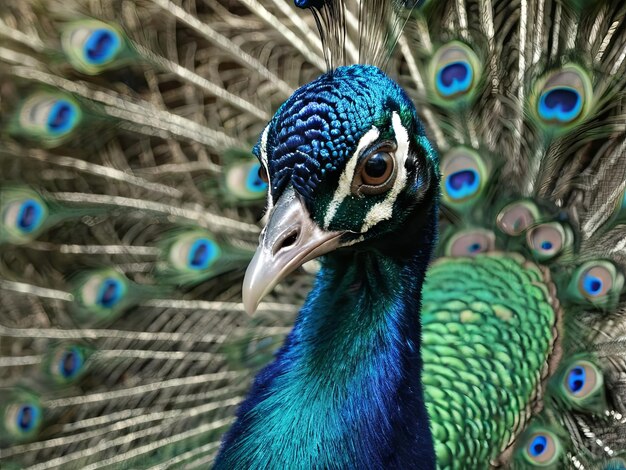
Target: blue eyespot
102,46
561,104
202,253
542,448
470,243
254,183
563,97
70,363
455,78
30,216
111,292
576,379
62,117
546,245
538,445
592,285
27,417
474,248
548,240
454,70
581,380
596,280
462,184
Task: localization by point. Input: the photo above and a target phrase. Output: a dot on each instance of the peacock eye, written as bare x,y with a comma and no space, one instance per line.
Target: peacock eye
517,217
377,168
470,243
564,97
547,240
542,448
375,173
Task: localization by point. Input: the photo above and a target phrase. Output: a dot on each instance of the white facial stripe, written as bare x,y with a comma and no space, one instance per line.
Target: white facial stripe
345,180
384,210
265,165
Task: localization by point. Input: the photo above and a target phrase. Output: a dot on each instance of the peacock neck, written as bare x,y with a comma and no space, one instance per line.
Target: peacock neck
345,389
364,308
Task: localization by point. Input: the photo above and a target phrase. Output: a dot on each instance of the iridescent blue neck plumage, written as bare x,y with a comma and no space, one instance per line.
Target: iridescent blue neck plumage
344,391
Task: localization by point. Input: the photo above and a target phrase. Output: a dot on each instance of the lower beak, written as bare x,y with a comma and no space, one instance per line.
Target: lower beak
289,240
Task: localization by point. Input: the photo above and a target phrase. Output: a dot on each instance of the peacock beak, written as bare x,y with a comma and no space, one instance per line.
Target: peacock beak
289,240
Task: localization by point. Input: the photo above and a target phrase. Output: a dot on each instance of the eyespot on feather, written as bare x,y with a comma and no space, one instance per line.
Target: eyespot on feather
245,181
596,282
23,214
454,72
22,414
195,252
103,293
548,240
470,243
582,379
542,448
48,117
516,217
92,46
464,177
66,363
563,98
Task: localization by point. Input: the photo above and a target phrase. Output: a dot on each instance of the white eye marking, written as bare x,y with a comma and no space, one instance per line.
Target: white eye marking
345,180
383,210
267,170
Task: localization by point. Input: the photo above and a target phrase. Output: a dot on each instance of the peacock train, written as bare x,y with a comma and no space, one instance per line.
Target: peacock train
327,234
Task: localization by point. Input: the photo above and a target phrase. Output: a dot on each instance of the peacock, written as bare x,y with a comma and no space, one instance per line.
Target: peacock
330,234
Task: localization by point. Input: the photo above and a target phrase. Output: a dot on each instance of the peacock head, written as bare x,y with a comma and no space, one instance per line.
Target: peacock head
349,167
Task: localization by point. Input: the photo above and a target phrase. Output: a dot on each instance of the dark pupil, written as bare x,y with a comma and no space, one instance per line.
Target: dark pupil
376,166
61,116
28,217
27,416
577,384
595,286
462,178
199,255
539,448
455,71
110,290
99,49
258,181
474,247
567,99
546,245
68,363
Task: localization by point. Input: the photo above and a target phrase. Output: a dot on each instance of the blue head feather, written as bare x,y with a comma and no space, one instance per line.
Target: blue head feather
317,129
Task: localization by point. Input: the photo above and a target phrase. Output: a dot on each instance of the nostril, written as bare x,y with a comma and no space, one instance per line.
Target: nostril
287,241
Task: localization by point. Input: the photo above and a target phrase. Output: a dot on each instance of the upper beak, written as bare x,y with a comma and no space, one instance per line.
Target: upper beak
289,240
